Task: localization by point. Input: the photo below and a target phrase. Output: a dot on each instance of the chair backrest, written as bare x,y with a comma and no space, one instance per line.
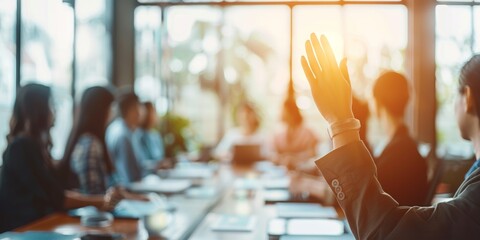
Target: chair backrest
434,181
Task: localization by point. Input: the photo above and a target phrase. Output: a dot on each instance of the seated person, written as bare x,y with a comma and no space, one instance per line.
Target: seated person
150,146
121,141
296,143
86,161
248,132
401,170
30,187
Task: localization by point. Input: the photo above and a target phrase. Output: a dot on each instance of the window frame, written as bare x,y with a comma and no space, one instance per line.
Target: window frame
426,119
291,5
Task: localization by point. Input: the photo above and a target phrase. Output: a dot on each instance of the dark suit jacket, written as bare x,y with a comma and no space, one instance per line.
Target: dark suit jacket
402,171
28,189
373,214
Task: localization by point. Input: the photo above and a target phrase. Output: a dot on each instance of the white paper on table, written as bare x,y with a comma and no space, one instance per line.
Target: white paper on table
304,210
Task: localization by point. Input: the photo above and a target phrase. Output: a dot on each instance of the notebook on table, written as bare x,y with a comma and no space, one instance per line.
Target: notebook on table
127,209
301,228
234,223
166,186
273,196
304,210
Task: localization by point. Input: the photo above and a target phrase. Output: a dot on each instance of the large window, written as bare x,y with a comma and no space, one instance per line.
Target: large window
192,59
457,39
93,44
257,59
47,34
215,57
372,37
199,61
7,65
148,54
47,55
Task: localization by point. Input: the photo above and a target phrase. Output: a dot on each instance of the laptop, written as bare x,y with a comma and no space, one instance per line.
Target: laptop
247,154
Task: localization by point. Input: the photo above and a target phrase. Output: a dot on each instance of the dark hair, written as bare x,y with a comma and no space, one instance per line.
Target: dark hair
149,110
31,114
470,76
391,91
290,107
126,100
92,116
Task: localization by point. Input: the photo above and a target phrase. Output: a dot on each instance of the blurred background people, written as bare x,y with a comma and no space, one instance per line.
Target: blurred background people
86,161
150,147
30,187
401,170
295,143
121,141
247,133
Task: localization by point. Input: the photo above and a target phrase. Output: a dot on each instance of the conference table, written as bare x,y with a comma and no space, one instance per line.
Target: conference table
192,218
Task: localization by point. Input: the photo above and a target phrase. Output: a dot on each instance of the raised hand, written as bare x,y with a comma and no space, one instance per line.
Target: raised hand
329,82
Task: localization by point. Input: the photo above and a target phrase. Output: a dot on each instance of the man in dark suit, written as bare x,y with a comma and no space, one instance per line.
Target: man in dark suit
351,173
401,170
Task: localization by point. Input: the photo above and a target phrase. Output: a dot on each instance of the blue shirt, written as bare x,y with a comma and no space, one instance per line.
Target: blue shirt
473,168
120,143
149,147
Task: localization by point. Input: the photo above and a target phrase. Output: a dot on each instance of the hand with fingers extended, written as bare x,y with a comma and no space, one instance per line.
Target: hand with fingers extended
329,82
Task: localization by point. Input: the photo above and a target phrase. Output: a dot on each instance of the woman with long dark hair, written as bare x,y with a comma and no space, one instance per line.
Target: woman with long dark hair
29,186
86,162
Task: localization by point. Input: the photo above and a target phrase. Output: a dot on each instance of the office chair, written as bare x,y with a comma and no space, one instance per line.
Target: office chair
434,181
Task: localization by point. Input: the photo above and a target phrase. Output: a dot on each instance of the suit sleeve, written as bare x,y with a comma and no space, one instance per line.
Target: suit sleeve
373,214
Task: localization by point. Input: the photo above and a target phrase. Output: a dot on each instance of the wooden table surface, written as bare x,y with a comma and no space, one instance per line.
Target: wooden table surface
192,219
62,223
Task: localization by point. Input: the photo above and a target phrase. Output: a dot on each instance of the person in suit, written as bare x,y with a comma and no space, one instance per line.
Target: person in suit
30,187
351,173
401,170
